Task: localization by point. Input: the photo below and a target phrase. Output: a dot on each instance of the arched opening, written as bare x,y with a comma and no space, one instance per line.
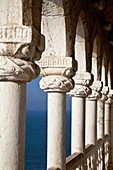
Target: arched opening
109,75
80,52
94,60
104,77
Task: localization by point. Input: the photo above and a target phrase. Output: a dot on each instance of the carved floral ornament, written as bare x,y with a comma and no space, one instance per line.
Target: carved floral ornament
15,69
57,73
56,83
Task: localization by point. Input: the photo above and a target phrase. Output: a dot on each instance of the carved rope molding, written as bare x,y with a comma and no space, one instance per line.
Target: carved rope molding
57,73
82,82
20,46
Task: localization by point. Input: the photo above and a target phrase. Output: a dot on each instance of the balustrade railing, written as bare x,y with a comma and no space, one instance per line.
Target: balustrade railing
95,157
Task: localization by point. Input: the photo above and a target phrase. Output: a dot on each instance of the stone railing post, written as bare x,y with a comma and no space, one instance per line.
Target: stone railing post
100,112
79,93
19,47
56,80
91,113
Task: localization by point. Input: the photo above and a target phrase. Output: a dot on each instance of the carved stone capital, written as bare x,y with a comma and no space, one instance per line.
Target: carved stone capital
15,69
82,82
23,42
110,97
96,91
20,46
57,73
104,92
56,84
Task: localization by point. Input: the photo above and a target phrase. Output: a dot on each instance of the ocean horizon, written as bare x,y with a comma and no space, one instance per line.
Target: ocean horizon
36,139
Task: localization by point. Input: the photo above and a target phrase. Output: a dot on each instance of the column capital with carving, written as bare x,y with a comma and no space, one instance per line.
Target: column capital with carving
96,91
20,46
21,42
110,97
57,73
104,92
82,82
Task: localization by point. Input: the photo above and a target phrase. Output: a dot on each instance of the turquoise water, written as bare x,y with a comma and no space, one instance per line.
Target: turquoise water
36,135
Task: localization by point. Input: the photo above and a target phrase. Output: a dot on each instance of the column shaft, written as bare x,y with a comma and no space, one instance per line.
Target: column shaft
107,118
56,147
91,121
12,125
111,139
100,119
78,125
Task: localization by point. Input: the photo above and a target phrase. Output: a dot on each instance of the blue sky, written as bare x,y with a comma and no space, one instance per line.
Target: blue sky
37,98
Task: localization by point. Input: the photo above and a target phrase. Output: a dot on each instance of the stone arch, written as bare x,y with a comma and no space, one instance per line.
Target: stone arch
97,57
104,70
110,72
80,50
94,60
109,75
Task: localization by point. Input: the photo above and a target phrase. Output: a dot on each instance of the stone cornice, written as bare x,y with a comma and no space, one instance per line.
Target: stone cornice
82,82
57,73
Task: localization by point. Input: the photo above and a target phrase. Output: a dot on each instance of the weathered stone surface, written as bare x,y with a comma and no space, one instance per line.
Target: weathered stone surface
57,73
96,91
82,82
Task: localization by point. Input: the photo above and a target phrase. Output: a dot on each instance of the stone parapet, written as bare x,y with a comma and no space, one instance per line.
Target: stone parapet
57,73
82,82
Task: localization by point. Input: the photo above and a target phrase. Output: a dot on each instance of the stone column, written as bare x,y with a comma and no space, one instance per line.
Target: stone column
19,46
107,113
91,113
57,74
110,166
79,93
100,112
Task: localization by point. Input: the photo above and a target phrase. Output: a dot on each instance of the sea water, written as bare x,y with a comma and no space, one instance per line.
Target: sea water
36,139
